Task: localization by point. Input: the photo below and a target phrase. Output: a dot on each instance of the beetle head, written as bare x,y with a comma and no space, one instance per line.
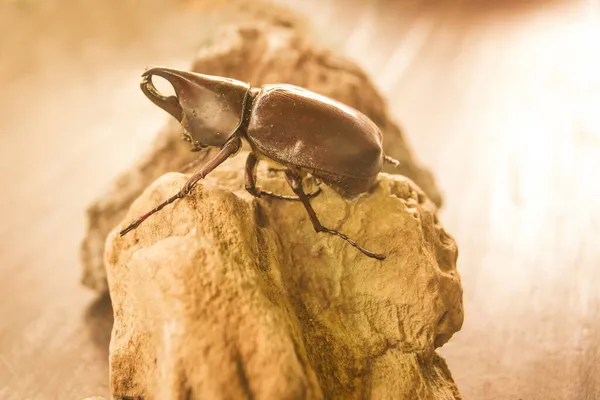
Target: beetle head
209,108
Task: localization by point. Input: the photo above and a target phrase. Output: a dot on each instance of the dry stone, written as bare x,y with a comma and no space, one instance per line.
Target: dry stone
225,296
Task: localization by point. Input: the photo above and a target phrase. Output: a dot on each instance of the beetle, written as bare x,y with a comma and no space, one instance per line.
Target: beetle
302,131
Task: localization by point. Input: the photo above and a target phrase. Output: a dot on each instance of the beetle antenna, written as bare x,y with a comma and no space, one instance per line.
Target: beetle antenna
392,161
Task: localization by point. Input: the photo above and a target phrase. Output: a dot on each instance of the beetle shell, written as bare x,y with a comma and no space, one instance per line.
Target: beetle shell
334,142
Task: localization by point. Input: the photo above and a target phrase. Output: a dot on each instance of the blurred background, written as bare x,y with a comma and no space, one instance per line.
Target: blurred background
500,99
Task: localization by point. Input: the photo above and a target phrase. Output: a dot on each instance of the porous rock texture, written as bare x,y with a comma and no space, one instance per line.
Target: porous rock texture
265,52
225,296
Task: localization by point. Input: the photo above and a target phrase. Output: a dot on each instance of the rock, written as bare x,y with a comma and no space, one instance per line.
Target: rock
260,53
225,296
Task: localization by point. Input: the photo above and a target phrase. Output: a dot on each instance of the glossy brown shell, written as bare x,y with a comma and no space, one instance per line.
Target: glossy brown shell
335,142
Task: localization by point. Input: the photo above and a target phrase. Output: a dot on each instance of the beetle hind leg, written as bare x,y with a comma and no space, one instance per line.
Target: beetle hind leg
250,178
296,184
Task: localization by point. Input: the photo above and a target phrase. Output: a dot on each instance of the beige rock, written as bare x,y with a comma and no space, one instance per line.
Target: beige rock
263,53
225,296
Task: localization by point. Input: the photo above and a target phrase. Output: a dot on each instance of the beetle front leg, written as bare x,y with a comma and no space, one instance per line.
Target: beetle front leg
250,178
229,149
203,154
296,184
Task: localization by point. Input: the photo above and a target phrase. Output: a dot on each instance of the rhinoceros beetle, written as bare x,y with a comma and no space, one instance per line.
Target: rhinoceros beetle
302,131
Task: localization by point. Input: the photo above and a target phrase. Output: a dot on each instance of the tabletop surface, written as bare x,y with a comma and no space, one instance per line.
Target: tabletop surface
501,102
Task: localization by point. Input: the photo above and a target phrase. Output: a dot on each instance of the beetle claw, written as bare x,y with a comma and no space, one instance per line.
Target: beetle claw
397,164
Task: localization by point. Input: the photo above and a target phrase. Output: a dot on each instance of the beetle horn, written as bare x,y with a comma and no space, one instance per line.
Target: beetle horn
209,107
168,103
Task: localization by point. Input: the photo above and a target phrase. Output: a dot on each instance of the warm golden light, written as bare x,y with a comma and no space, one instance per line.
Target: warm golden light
501,100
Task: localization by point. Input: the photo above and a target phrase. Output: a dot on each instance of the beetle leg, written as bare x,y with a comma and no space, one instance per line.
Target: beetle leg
229,149
296,183
203,154
250,177
275,169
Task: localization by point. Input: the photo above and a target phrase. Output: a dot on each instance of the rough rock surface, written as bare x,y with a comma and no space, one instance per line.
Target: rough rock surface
261,53
225,296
